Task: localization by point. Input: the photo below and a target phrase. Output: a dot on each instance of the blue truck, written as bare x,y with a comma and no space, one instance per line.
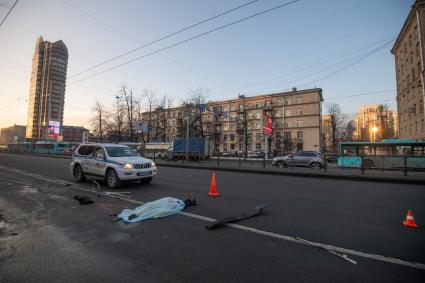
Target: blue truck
199,148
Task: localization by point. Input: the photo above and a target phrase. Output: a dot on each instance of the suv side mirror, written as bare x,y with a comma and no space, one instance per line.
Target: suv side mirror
100,156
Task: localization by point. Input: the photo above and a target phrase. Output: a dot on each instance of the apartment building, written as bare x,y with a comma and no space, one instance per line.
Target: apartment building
47,90
75,134
375,122
235,125
408,51
15,133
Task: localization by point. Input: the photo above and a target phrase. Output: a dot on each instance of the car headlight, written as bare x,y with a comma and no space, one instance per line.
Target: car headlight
153,164
127,166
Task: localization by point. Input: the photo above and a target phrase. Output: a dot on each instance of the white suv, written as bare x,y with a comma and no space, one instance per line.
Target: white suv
112,162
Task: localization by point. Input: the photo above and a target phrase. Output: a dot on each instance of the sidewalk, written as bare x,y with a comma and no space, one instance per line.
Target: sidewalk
333,171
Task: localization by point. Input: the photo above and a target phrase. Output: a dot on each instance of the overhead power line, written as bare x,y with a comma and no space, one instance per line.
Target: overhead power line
333,69
362,94
149,43
186,40
351,64
16,2
302,70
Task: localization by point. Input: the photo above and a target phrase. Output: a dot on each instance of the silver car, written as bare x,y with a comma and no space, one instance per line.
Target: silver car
312,159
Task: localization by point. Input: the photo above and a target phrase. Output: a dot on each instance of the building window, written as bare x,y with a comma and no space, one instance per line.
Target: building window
287,101
257,105
225,147
232,137
299,123
258,115
257,136
232,146
299,135
288,113
225,137
299,111
287,135
258,146
299,100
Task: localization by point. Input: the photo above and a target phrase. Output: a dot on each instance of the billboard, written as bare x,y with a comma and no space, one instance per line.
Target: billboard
267,124
53,129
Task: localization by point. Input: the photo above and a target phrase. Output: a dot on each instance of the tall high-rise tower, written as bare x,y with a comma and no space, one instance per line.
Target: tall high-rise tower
47,90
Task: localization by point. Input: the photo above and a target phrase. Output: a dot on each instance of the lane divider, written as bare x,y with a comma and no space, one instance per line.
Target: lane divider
241,227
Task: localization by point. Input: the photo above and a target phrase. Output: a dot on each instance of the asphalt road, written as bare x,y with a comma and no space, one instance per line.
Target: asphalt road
58,240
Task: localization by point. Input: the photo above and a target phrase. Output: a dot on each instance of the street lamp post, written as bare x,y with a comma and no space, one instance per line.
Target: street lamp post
374,130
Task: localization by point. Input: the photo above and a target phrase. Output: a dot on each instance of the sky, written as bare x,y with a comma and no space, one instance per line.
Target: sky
341,46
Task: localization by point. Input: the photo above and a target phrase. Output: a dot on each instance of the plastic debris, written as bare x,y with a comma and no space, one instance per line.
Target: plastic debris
118,194
256,211
95,186
155,209
343,256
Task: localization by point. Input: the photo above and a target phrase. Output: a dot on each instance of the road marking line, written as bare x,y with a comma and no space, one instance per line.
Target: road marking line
250,229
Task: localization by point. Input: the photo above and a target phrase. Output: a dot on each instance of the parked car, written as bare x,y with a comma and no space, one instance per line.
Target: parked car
257,154
112,162
312,159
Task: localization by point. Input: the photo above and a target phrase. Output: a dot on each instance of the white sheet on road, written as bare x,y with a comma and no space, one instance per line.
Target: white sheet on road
155,209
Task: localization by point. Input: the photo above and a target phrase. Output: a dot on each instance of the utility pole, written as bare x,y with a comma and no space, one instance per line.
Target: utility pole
245,128
187,134
131,116
100,125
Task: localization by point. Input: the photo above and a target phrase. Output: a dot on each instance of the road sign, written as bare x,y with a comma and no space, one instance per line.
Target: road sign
142,127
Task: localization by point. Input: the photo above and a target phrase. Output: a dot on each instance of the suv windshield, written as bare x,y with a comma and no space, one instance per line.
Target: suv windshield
120,151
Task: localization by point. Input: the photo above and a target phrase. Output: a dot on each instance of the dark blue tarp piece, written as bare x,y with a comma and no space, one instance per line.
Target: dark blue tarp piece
195,145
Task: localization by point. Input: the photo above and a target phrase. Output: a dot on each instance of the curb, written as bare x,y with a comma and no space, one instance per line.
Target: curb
302,174
376,179
42,155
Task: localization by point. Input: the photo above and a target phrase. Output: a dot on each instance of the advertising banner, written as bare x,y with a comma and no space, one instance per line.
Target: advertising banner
267,124
53,129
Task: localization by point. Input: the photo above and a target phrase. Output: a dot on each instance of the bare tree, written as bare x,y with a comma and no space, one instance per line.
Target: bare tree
98,121
116,121
149,98
337,122
194,108
126,95
349,131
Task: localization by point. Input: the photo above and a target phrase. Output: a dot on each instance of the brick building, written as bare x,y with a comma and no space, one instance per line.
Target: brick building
408,51
235,124
75,134
15,133
375,122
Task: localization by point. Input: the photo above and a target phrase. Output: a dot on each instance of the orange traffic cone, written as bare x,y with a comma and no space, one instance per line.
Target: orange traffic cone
410,221
213,187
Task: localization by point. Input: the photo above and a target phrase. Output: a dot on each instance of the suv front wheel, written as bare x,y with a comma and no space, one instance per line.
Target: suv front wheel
112,180
78,173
